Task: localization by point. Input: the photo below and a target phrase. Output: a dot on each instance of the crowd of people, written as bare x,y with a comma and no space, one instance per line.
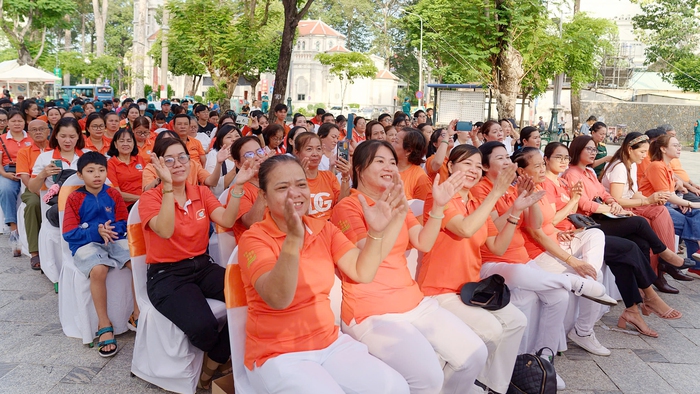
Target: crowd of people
496,204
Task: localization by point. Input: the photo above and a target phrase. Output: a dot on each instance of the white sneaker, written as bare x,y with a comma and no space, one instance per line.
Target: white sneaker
589,288
589,343
696,256
560,383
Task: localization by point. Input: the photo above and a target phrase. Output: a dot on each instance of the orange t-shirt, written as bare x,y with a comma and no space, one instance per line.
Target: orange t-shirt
516,252
127,177
81,123
195,149
146,150
559,196
191,236
27,156
416,184
453,260
197,174
325,191
105,145
658,177
13,146
393,290
444,173
678,170
250,194
533,247
642,168
308,322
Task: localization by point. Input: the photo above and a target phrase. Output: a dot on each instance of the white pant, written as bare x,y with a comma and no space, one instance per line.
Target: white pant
588,246
343,367
501,331
551,289
408,342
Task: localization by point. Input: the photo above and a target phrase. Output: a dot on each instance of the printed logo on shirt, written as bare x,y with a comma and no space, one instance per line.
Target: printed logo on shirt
250,257
201,214
27,143
108,209
139,166
344,225
320,202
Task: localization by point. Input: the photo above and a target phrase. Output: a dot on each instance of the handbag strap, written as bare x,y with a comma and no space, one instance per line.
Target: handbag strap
4,147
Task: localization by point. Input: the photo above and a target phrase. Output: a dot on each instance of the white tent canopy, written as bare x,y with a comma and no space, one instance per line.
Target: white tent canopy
26,74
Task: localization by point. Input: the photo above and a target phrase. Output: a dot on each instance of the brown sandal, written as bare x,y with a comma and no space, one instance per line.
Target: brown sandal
35,263
209,368
670,314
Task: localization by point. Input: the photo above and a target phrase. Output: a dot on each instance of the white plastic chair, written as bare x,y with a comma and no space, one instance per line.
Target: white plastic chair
49,246
75,307
162,353
413,256
237,312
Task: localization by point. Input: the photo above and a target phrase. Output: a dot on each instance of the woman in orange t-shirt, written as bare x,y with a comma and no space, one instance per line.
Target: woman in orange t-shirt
125,167
288,262
659,178
95,139
399,325
455,259
324,187
410,147
176,217
252,209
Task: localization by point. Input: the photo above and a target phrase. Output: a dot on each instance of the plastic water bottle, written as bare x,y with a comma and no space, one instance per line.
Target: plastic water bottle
14,242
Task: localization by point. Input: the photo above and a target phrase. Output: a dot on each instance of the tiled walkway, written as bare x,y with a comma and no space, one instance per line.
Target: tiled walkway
36,357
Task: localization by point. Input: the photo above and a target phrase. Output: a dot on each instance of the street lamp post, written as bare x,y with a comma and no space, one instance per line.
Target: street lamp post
420,58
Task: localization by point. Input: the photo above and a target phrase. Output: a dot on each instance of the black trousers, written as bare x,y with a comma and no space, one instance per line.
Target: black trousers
179,291
635,229
692,197
630,267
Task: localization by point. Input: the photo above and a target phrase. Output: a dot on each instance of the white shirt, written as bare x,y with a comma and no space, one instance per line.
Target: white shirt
205,140
211,164
45,158
618,174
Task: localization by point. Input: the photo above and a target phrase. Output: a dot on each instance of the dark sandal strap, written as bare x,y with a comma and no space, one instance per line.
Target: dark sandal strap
102,344
104,330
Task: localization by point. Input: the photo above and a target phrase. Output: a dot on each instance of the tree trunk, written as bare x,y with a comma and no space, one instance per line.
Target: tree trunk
510,64
24,57
139,49
526,93
67,44
575,110
100,12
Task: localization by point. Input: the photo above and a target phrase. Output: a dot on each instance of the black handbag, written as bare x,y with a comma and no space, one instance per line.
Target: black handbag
490,293
583,221
533,375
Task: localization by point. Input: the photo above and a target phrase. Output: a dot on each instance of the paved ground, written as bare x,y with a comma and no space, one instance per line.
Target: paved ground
36,357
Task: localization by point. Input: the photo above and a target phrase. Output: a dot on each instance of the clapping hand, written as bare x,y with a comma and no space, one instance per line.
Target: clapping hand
577,190
162,171
223,154
505,179
527,199
392,203
525,183
107,232
444,192
248,171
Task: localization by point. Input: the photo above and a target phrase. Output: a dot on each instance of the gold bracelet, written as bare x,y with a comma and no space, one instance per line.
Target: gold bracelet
435,216
568,258
373,237
167,191
445,142
237,195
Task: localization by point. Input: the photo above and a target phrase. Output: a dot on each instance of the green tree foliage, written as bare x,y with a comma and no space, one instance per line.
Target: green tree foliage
89,67
215,37
353,19
671,31
26,23
348,66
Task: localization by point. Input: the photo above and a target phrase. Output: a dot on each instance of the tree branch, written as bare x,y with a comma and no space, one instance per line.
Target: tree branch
41,49
304,11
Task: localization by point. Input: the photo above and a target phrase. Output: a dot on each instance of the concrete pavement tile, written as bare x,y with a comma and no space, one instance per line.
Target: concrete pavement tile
80,375
69,388
582,375
51,329
620,340
673,345
692,334
649,356
576,353
44,309
631,375
5,368
680,376
53,350
32,378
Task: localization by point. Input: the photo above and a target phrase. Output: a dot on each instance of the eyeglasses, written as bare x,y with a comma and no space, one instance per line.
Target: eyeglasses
183,159
249,155
561,158
143,132
3,120
97,127
591,149
37,130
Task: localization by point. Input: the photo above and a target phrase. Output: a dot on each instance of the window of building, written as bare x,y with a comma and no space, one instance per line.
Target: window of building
303,45
318,45
330,44
301,97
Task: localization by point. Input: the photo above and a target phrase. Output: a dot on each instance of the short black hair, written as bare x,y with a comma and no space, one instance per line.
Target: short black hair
383,116
114,151
327,114
91,158
320,111
281,107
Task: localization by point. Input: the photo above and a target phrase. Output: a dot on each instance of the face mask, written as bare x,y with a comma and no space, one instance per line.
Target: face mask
142,107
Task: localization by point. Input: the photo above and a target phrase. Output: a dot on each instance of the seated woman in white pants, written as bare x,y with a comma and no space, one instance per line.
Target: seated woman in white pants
431,347
287,265
455,259
522,275
571,252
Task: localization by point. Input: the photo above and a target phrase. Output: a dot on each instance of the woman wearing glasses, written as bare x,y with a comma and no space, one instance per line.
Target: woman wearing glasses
181,276
95,132
251,208
659,177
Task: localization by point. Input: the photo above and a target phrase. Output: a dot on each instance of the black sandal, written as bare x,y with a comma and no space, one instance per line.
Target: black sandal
102,344
35,263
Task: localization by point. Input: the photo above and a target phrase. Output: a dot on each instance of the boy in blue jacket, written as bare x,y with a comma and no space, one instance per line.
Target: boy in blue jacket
94,225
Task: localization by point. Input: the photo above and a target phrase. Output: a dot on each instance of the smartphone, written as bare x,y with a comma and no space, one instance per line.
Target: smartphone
58,163
242,120
344,149
464,126
351,124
